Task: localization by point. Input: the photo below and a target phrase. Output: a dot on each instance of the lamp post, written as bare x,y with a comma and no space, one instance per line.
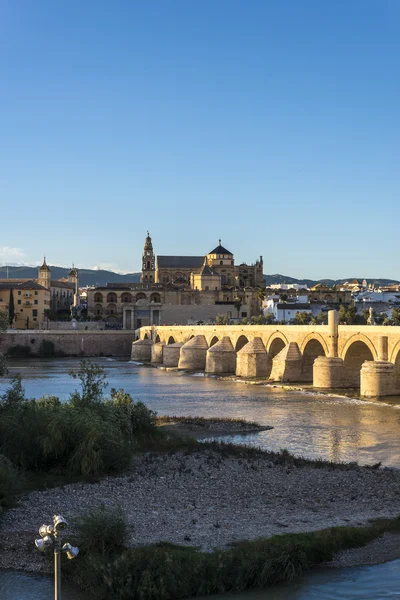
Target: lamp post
50,535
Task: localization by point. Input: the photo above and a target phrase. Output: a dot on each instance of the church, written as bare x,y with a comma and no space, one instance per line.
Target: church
181,290
216,269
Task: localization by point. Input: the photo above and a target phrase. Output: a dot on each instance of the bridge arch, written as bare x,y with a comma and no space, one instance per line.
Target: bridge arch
315,336
214,340
395,359
359,337
311,350
273,347
171,340
357,350
241,341
157,340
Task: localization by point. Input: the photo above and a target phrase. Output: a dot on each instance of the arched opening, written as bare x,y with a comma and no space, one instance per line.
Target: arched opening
146,337
98,309
140,296
112,297
98,297
276,346
356,354
397,373
242,341
111,309
214,341
171,340
157,340
312,349
155,297
126,297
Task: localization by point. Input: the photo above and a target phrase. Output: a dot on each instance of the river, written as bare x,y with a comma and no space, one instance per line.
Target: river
327,426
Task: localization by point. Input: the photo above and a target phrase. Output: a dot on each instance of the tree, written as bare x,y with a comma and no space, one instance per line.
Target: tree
237,304
93,383
302,318
11,308
396,316
322,318
3,328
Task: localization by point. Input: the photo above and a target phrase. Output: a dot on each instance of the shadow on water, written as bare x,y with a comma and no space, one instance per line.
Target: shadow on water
25,586
378,582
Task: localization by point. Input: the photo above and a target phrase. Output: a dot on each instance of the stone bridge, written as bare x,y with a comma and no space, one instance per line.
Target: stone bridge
329,356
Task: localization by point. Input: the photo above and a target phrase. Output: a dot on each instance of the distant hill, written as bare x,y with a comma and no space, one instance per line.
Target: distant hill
272,279
100,277
86,276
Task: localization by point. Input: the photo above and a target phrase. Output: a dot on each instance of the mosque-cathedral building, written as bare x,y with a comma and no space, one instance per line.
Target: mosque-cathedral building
181,289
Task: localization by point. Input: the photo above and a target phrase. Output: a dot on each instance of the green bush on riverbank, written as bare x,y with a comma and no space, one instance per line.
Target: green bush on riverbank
86,436
167,572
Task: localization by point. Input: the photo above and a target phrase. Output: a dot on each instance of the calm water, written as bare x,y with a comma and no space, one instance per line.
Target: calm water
340,429
24,586
336,428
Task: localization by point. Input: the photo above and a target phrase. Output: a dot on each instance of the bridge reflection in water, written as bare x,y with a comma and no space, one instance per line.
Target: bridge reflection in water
329,356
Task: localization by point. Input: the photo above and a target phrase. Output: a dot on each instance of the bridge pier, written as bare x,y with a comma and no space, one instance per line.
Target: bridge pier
193,354
377,379
251,360
328,372
221,358
171,355
378,376
141,350
157,353
286,366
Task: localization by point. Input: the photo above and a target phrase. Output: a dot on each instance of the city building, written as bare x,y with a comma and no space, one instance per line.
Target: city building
30,299
181,289
64,292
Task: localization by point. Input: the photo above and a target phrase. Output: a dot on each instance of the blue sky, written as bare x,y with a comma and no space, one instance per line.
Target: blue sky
271,125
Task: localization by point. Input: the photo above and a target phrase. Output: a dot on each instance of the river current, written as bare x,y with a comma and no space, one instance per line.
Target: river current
337,428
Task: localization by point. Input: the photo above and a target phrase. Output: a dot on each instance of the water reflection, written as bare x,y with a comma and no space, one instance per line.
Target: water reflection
335,428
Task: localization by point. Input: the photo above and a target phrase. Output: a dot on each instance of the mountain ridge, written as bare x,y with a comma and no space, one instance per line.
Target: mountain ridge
100,277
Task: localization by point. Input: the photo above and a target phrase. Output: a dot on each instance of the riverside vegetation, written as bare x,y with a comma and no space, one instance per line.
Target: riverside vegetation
45,442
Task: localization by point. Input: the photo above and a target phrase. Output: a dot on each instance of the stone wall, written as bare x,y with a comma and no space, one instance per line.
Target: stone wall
69,326
73,343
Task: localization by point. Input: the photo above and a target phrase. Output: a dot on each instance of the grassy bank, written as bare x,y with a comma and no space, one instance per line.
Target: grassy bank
107,569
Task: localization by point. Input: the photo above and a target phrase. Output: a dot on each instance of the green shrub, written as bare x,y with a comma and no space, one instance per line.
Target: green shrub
87,436
46,349
166,572
103,530
10,482
19,351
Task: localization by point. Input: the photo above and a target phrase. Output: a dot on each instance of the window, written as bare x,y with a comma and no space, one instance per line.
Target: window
244,314
221,262
19,293
36,301
34,318
19,301
35,293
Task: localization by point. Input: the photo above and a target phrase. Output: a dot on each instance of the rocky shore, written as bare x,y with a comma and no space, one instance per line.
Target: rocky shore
208,499
200,428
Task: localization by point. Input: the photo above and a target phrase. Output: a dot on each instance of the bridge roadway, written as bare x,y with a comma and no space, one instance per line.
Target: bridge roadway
328,355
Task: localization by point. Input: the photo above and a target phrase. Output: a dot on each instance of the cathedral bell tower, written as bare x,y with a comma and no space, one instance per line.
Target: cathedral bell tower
148,262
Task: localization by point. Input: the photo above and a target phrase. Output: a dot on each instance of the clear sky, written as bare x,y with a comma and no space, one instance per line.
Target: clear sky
273,125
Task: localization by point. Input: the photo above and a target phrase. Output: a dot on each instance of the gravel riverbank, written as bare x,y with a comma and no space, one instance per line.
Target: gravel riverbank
204,499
